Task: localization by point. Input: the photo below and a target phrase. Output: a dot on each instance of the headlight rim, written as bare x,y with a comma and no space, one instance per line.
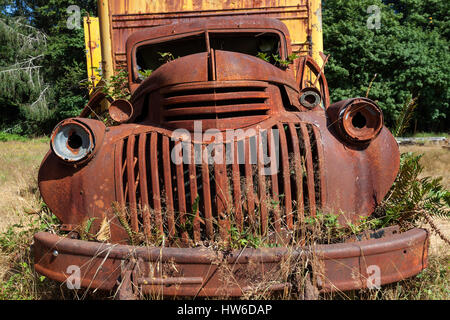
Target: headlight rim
374,120
310,91
90,134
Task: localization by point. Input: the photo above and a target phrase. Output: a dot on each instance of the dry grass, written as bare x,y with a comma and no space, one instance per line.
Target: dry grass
19,162
436,160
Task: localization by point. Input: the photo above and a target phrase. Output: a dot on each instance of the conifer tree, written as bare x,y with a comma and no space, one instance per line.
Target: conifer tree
23,92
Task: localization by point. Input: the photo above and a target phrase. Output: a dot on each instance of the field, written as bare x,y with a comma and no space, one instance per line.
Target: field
436,162
19,199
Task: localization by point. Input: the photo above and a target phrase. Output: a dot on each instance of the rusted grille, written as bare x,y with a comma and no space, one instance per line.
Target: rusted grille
201,201
215,102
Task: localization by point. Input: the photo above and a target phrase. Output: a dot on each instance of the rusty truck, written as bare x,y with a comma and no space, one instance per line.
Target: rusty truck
161,193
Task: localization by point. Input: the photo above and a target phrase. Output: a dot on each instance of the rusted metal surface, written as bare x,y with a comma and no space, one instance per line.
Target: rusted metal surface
94,104
357,120
121,110
199,271
162,176
135,154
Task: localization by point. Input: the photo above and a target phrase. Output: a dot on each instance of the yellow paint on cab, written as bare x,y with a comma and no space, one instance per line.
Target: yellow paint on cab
93,50
298,27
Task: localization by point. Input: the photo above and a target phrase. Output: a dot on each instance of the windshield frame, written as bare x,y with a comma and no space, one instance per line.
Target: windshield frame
134,66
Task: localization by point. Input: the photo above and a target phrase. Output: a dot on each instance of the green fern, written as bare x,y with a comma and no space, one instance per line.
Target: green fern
188,225
405,117
121,216
144,74
284,63
276,60
410,196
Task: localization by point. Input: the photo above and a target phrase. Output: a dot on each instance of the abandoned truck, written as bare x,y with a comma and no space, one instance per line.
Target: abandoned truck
147,206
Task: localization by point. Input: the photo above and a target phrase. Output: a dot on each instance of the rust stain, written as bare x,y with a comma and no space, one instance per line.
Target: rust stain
100,204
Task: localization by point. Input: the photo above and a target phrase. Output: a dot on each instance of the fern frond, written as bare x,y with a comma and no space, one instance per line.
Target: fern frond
405,117
410,195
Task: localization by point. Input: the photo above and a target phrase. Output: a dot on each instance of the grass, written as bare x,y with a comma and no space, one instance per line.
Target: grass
19,162
19,202
430,134
436,161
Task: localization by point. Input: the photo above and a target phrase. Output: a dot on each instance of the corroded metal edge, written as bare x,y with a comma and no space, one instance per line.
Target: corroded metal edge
343,266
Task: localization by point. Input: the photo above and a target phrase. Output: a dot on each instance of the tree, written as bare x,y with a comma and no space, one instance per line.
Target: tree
429,14
63,61
23,93
409,57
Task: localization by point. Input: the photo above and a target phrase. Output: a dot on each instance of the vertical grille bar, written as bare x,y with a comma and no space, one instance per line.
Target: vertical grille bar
180,190
249,183
143,185
119,173
309,170
222,201
168,186
274,181
262,184
237,186
320,164
298,174
207,197
193,192
131,183
286,176
155,181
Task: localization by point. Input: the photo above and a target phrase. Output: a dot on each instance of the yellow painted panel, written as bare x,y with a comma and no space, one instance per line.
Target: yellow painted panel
297,30
153,6
316,31
106,36
93,49
302,17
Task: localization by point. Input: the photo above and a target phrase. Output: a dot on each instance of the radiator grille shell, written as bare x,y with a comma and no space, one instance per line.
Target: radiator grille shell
190,200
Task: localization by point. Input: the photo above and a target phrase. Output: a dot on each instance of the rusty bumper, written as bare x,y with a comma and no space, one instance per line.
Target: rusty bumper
208,272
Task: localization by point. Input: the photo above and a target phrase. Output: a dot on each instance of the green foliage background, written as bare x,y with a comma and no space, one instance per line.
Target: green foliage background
409,54
63,65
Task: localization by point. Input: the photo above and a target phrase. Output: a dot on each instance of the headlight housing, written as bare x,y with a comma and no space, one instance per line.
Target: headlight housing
357,120
74,140
310,98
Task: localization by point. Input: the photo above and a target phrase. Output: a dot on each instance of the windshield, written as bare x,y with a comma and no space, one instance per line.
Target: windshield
152,56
